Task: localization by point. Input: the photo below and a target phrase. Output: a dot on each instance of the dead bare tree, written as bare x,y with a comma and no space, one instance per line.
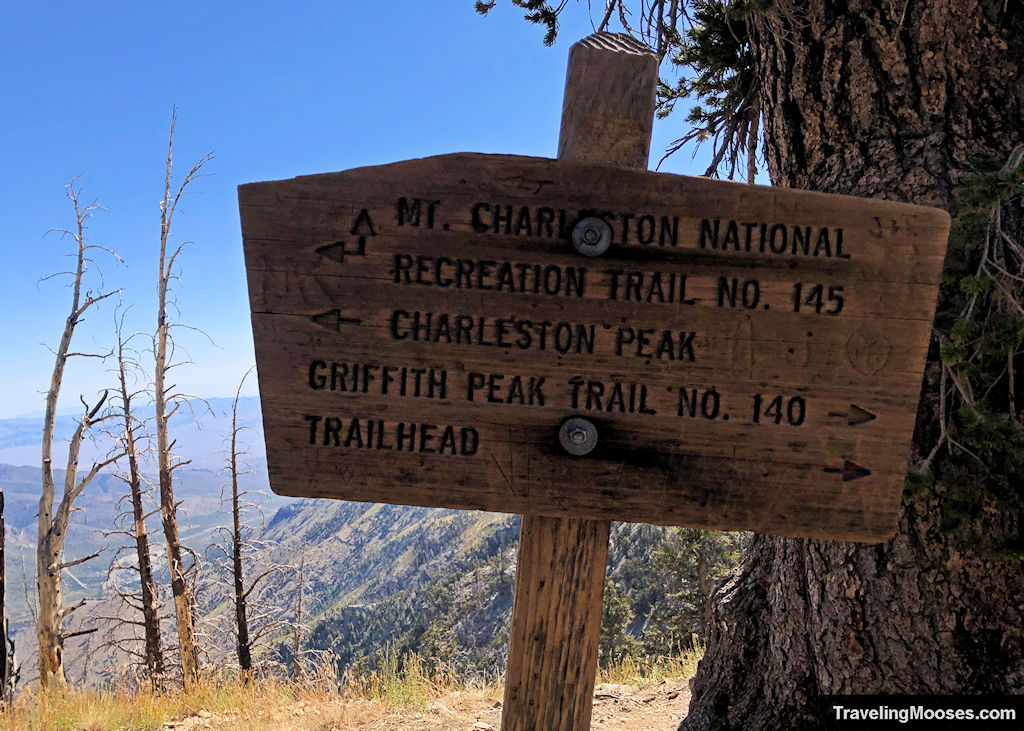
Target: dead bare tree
241,594
239,552
297,668
53,525
143,600
6,643
166,403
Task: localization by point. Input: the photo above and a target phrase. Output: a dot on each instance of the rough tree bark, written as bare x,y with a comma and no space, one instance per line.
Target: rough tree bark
883,99
165,405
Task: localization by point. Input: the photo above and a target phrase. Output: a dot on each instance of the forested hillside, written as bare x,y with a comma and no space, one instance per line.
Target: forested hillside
384,579
377,581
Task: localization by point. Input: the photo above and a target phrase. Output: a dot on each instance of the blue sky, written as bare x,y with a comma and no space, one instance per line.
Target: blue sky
274,90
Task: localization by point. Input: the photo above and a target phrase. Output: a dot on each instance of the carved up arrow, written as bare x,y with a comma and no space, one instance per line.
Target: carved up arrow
855,416
332,320
850,471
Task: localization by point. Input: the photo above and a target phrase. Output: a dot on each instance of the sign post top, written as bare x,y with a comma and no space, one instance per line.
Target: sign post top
608,115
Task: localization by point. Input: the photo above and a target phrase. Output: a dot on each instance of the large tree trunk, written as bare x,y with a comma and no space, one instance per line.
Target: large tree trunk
893,100
48,618
50,543
154,655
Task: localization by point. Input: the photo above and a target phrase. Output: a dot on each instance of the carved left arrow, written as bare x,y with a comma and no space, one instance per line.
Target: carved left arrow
332,320
339,249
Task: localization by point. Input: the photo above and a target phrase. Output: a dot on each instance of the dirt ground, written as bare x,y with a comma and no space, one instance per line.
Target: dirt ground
616,708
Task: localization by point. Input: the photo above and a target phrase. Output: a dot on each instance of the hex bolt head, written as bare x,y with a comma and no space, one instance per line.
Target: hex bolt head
591,236
578,436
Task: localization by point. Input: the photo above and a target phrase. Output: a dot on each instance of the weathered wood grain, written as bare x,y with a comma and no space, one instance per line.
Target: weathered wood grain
609,100
556,626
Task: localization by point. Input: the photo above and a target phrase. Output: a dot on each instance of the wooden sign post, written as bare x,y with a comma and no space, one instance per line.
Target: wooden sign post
607,116
580,340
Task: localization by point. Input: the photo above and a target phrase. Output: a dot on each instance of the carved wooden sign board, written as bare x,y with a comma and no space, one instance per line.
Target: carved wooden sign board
750,357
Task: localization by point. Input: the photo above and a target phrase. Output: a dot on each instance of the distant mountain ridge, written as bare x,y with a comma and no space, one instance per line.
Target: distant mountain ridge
200,435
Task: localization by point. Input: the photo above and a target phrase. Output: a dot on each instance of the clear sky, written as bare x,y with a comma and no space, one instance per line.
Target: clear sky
274,90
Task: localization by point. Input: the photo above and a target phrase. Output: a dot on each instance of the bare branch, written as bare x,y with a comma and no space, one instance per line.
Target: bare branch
90,557
79,633
260,578
101,356
607,16
91,300
77,605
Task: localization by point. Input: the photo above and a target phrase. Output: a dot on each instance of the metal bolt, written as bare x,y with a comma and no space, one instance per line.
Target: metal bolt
591,236
578,436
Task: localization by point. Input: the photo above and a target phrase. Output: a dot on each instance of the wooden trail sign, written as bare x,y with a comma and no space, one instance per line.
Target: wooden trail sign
580,342
751,357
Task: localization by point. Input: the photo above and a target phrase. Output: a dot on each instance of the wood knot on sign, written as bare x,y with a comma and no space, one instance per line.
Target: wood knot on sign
618,42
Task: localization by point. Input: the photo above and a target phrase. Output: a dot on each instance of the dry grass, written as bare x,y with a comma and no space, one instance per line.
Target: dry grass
636,672
402,689
267,703
123,708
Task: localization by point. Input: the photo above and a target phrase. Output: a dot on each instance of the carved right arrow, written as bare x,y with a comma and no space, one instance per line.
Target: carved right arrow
850,471
853,471
859,416
855,416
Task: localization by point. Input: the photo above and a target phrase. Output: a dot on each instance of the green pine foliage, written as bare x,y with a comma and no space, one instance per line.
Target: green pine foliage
455,613
710,67
693,563
617,614
715,69
659,586
975,449
537,11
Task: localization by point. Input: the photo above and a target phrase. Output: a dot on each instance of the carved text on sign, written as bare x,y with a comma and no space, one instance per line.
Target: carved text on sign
751,357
